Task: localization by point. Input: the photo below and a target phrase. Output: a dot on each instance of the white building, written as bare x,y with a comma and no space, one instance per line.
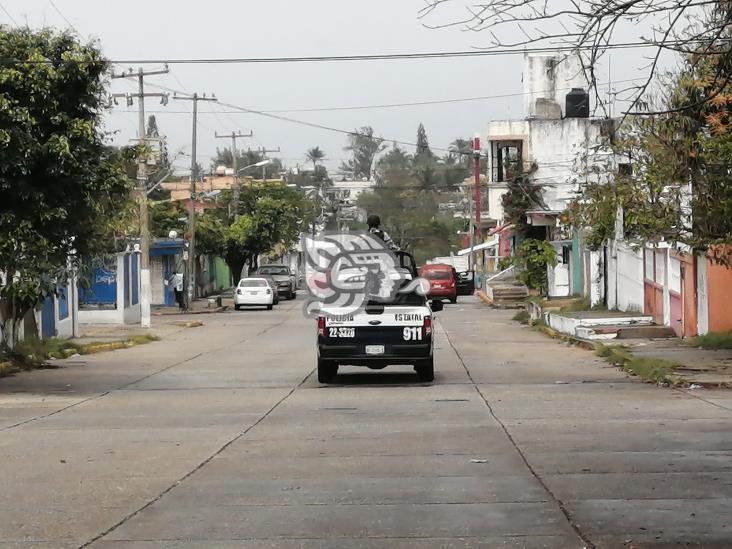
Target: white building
347,192
545,143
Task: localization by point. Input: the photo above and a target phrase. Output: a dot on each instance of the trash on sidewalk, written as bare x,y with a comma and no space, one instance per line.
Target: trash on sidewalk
694,386
478,461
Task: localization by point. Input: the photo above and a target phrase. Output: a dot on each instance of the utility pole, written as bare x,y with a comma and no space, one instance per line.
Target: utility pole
475,198
235,161
191,264
471,232
264,152
145,278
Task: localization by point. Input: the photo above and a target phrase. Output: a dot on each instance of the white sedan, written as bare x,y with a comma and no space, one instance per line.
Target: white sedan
253,292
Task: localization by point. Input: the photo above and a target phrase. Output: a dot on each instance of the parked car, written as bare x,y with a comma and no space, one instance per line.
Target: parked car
283,276
272,284
443,283
254,292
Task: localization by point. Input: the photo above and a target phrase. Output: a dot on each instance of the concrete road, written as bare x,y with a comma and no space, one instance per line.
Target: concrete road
221,436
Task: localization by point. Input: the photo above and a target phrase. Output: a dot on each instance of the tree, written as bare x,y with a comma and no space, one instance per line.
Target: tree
522,195
166,216
364,147
532,259
62,186
590,27
152,126
315,155
409,211
266,216
680,188
423,152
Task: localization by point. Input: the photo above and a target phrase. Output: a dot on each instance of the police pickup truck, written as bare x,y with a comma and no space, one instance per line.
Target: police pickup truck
398,331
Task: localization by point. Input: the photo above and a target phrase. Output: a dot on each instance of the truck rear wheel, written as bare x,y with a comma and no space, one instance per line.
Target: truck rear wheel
327,370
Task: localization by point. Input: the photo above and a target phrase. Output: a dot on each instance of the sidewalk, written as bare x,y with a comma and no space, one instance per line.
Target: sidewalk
203,305
644,350
165,322
706,368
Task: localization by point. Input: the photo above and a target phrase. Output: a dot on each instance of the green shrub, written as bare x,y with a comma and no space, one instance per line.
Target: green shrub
522,317
650,369
531,260
716,340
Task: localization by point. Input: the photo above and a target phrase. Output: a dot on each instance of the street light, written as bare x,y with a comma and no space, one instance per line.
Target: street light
259,164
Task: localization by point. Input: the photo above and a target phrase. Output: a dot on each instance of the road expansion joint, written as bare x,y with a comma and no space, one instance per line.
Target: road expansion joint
198,467
585,540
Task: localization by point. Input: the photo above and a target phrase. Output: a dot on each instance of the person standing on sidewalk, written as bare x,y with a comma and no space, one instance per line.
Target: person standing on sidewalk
176,280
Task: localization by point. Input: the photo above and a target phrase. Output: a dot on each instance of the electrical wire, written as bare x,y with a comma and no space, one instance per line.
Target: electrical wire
397,105
55,7
9,16
369,57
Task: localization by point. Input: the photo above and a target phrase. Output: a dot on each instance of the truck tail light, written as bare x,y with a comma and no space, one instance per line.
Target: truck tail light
427,325
238,291
321,326
268,291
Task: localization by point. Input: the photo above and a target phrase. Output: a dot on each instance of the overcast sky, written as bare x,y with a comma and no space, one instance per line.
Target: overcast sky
137,29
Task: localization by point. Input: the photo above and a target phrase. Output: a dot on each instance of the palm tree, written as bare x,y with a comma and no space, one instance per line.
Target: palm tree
315,155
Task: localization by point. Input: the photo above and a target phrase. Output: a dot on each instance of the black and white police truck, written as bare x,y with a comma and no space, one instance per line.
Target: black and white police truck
398,331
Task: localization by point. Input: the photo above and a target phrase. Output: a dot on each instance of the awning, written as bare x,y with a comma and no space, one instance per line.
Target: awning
479,247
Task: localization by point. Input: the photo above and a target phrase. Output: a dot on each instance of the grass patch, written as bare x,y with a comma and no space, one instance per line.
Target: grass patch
582,304
717,340
35,353
142,339
655,370
540,323
522,317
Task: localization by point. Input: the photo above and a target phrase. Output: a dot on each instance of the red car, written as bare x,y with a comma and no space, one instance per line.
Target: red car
443,283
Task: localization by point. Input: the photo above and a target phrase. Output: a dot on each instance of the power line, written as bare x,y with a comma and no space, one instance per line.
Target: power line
397,105
369,57
9,16
55,7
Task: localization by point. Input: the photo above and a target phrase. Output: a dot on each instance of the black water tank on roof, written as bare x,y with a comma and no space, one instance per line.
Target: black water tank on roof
578,104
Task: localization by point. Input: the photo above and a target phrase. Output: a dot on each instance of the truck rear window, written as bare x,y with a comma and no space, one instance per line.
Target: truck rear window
436,275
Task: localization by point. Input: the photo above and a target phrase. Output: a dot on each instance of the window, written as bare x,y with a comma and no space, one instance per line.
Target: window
506,160
437,275
63,304
566,254
274,271
253,283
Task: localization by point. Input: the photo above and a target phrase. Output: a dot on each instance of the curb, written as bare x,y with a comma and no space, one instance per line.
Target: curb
201,312
504,306
191,324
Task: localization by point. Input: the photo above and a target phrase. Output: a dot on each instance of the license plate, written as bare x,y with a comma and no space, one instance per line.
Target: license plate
253,293
374,349
342,332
